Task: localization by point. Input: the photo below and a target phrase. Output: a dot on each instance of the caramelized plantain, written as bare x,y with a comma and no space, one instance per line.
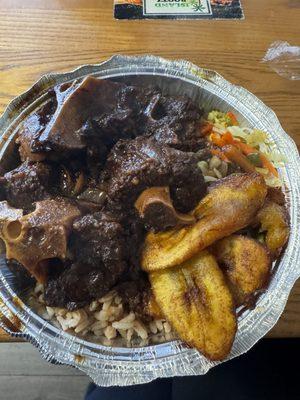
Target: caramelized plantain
274,221
246,265
196,301
230,206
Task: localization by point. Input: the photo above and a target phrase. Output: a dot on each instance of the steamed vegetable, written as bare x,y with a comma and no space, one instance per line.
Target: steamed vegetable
248,148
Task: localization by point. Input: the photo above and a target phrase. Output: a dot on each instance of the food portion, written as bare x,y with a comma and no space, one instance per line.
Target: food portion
157,211
198,303
37,237
135,165
273,221
246,264
141,218
28,183
230,206
98,248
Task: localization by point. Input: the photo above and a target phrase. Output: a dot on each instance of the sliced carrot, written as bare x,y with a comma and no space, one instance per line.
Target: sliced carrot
233,119
206,128
222,140
268,165
234,155
228,138
218,153
216,138
245,148
235,151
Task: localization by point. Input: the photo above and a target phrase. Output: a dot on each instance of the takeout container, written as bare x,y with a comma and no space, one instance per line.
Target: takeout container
127,366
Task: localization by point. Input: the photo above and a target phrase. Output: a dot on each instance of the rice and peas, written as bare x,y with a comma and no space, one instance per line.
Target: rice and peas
105,319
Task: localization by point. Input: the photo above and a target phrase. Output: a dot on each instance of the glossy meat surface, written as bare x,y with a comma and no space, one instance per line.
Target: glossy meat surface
174,122
99,239
77,285
30,132
92,115
28,183
39,236
134,165
76,105
99,247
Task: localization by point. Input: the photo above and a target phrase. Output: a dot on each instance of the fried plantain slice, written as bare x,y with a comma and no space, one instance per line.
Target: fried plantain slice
273,220
246,263
195,299
230,206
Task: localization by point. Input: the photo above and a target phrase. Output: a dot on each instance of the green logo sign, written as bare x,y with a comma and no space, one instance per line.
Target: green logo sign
177,7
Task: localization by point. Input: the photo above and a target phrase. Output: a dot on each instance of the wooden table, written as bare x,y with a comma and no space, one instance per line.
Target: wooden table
38,36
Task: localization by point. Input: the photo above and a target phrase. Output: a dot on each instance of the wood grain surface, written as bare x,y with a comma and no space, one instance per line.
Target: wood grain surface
40,36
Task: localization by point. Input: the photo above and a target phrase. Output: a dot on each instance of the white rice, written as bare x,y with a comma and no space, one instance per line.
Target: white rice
103,320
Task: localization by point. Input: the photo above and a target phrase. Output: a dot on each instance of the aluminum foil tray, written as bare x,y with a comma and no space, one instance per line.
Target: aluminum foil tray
127,366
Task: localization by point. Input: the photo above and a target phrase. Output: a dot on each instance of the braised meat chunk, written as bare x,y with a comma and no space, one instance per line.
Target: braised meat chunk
28,183
98,239
77,285
55,131
35,238
31,130
134,165
87,118
122,121
174,121
76,105
99,247
135,296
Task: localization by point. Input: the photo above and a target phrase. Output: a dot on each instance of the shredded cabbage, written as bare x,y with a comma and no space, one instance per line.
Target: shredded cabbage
253,137
276,158
219,119
259,139
239,132
256,138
